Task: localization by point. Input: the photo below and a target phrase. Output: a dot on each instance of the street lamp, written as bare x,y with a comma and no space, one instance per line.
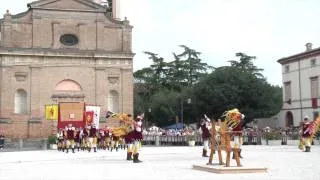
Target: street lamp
148,115
181,109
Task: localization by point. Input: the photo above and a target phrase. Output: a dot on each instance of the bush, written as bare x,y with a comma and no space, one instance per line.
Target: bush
52,140
272,136
191,137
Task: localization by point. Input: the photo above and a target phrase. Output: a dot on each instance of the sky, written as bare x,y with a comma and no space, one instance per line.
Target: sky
267,29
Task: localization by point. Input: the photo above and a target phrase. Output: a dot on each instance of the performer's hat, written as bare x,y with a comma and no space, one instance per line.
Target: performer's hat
306,117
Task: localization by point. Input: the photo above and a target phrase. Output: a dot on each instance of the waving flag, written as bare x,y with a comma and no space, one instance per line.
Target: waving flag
111,114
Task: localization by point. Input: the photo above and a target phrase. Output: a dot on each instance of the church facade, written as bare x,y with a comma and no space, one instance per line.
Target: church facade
62,51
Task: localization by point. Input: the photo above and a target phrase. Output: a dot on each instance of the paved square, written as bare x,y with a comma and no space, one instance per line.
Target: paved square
159,163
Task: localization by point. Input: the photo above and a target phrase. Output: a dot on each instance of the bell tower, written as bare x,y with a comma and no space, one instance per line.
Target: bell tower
112,6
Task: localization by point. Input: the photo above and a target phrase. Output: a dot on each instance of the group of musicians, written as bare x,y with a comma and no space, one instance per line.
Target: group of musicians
91,138
236,135
306,132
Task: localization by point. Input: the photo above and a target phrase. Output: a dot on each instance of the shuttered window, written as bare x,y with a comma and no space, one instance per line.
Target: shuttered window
287,90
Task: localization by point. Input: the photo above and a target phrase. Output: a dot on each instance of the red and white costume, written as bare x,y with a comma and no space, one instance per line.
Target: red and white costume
205,127
306,134
93,138
70,137
137,138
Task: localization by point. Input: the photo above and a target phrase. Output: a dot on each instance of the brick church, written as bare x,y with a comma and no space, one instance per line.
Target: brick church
62,51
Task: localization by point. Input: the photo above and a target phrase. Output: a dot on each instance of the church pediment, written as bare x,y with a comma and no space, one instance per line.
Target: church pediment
80,5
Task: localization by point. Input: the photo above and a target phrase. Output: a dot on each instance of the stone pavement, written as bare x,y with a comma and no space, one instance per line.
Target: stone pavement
159,163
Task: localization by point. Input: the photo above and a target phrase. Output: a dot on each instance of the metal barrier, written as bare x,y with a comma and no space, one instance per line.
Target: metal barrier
23,144
1,142
154,140
176,140
172,140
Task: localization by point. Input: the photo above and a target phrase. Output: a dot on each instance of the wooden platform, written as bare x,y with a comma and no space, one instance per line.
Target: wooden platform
229,170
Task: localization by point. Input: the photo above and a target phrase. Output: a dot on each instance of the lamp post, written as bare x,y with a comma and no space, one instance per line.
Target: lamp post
149,115
149,110
181,108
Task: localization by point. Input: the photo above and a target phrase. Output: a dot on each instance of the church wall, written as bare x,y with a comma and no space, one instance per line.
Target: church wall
110,36
42,33
40,78
127,40
37,61
127,90
47,27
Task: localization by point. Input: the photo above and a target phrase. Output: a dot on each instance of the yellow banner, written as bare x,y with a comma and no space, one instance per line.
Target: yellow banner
52,112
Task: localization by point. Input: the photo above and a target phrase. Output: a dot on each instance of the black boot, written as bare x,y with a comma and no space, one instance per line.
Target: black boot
307,149
240,153
204,153
67,150
129,156
72,150
136,158
95,149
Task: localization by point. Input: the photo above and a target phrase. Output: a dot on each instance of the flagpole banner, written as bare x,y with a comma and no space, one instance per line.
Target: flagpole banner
89,118
51,111
71,113
96,114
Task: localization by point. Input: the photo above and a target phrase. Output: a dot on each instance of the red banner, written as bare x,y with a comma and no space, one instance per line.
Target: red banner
71,113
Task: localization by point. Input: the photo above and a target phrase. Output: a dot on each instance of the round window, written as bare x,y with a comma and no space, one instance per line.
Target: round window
69,39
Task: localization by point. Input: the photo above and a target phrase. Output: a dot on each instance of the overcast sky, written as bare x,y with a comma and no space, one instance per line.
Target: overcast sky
268,29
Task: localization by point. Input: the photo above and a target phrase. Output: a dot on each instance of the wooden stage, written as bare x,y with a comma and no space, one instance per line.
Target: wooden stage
221,169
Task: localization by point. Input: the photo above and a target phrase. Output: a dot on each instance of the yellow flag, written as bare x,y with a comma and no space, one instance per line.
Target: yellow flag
52,112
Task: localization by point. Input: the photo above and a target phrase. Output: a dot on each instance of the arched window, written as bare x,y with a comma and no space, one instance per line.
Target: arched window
68,85
20,102
289,119
113,101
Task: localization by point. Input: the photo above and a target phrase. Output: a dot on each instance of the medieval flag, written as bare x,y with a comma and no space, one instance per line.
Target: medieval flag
95,116
51,112
111,114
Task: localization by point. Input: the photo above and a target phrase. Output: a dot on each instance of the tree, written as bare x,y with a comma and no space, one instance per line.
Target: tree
165,107
192,67
231,87
164,85
159,69
245,64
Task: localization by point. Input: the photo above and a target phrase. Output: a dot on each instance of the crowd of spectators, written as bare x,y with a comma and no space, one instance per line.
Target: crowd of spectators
267,132
169,132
